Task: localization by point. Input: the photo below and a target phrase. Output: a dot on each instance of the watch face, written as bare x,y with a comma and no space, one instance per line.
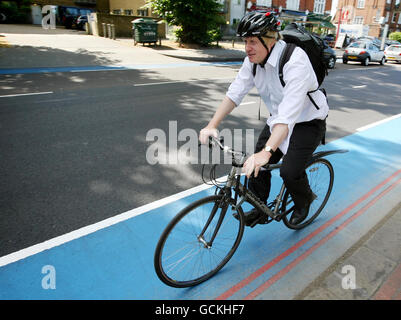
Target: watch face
269,149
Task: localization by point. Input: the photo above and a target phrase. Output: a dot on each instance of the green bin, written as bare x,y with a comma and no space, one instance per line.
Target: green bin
144,30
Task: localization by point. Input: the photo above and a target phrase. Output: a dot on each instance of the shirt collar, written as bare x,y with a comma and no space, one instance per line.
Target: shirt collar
276,53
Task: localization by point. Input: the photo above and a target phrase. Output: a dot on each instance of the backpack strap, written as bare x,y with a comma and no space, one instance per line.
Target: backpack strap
254,69
285,56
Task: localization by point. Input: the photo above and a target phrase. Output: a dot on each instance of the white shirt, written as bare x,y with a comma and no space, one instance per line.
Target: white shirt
288,105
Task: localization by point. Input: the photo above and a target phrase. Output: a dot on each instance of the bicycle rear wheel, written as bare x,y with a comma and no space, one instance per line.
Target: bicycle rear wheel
320,174
183,257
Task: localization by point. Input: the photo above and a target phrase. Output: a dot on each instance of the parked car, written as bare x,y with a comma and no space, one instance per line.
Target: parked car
80,22
376,41
329,56
391,42
393,53
364,52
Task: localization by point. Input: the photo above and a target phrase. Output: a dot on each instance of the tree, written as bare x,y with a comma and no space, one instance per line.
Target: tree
198,20
395,36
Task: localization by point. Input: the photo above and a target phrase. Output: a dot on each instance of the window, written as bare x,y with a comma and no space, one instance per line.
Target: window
116,11
319,6
399,19
128,12
387,16
143,13
265,3
358,20
292,4
377,15
361,4
360,45
393,18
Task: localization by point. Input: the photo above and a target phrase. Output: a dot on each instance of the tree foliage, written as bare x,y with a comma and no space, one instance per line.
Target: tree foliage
198,20
395,36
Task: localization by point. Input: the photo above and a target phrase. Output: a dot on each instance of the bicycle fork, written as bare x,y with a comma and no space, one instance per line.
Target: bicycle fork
218,204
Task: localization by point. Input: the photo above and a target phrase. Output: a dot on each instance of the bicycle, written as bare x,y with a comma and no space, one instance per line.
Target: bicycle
201,238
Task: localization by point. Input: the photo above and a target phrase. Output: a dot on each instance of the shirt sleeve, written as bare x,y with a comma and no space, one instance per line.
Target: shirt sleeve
242,84
299,78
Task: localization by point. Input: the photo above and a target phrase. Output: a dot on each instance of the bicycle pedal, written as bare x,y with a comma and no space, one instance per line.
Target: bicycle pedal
263,219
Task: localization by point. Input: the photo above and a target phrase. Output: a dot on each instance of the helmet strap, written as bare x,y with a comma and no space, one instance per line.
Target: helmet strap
262,64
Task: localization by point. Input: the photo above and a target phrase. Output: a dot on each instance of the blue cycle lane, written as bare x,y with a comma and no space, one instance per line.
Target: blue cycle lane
272,261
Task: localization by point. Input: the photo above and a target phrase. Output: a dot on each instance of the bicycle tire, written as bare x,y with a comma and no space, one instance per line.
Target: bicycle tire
323,195
162,252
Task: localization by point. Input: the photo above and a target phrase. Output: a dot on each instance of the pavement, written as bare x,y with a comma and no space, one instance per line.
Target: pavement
369,270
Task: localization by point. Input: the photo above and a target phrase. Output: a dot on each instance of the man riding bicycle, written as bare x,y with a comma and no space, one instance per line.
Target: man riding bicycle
295,127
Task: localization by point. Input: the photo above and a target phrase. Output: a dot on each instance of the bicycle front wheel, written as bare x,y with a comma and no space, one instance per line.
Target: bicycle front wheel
320,174
198,242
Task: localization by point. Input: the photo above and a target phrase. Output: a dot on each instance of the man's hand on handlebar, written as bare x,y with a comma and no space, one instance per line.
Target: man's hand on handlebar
255,162
207,132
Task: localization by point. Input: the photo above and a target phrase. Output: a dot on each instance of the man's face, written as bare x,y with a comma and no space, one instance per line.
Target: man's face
255,50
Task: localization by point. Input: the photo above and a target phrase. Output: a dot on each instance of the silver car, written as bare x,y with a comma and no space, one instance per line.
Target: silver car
393,53
364,52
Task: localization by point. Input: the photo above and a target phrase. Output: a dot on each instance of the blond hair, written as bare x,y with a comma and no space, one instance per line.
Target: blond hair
272,34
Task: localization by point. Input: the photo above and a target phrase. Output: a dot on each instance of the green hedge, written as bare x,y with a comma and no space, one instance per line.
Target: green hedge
395,36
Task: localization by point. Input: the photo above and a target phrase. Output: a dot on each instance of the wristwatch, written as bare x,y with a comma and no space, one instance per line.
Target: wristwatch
269,149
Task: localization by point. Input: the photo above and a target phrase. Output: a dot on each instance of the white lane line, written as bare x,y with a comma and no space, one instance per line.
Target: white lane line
378,122
57,241
179,81
368,68
25,94
246,103
359,87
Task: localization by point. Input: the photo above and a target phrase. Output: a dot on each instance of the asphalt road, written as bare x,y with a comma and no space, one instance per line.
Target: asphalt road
76,153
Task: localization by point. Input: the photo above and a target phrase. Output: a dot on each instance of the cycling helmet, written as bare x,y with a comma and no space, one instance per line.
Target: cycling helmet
257,24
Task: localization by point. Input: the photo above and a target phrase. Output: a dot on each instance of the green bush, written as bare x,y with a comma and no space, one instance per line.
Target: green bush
395,36
15,13
198,20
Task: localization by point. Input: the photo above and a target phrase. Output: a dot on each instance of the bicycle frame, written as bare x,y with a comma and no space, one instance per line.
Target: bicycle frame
273,210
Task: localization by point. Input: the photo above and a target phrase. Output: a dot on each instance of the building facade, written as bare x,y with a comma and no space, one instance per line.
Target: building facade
315,6
130,8
368,17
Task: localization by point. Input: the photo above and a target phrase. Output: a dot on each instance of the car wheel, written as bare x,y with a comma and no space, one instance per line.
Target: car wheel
366,61
382,61
345,61
331,63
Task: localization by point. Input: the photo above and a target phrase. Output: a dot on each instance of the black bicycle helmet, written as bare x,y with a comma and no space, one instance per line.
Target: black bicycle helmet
257,24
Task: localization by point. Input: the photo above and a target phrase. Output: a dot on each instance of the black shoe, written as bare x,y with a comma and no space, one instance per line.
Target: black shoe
249,217
300,215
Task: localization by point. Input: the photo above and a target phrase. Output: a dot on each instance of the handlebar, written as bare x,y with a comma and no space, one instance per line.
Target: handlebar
219,142
227,149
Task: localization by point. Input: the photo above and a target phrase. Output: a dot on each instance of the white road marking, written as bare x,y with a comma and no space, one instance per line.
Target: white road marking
57,241
246,103
25,94
378,122
179,81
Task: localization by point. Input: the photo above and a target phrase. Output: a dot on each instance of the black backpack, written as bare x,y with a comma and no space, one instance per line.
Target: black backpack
296,36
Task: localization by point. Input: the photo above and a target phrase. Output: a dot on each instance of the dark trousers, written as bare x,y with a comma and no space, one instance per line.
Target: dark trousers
304,140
